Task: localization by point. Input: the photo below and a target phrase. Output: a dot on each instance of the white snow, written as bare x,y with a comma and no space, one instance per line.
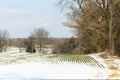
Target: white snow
35,68
51,71
115,63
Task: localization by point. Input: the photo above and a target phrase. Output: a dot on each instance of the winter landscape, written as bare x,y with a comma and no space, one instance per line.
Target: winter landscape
59,39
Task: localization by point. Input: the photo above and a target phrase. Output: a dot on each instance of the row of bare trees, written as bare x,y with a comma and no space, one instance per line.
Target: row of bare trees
35,41
96,23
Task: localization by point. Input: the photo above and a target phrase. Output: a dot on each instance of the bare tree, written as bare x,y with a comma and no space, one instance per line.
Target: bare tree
110,9
3,39
96,19
41,36
20,44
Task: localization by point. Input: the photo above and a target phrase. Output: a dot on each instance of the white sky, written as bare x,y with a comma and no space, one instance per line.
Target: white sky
20,17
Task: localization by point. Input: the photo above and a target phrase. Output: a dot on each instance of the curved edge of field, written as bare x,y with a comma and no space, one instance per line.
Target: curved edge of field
69,58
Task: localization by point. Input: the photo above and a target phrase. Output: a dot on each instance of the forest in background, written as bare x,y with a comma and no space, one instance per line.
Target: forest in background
95,23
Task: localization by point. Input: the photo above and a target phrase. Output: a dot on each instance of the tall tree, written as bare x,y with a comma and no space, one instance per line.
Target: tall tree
111,12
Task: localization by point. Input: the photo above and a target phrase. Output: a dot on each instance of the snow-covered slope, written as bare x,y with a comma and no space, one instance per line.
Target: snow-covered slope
24,66
51,71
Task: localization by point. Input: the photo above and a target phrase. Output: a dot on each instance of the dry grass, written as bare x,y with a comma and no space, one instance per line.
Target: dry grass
115,57
114,75
86,59
112,65
104,55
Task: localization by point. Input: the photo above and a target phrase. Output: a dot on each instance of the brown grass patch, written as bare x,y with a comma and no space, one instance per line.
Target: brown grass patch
104,55
114,75
112,65
115,57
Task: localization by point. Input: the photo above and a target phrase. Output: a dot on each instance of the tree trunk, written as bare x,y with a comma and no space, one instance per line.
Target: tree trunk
40,48
111,40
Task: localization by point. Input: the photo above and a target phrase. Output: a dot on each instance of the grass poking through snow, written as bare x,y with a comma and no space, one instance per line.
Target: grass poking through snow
85,59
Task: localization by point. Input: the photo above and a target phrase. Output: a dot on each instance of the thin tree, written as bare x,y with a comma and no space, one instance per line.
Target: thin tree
3,38
41,36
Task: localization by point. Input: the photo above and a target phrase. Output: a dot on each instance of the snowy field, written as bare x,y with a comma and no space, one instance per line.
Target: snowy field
25,66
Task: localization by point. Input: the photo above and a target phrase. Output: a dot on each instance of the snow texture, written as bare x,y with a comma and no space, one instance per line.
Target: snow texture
25,66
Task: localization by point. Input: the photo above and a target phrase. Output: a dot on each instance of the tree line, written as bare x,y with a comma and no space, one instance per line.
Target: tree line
96,23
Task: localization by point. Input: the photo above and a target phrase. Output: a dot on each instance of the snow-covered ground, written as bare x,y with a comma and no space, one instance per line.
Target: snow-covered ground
24,66
50,71
112,65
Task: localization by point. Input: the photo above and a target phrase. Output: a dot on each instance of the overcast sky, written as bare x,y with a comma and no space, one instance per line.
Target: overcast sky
20,17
